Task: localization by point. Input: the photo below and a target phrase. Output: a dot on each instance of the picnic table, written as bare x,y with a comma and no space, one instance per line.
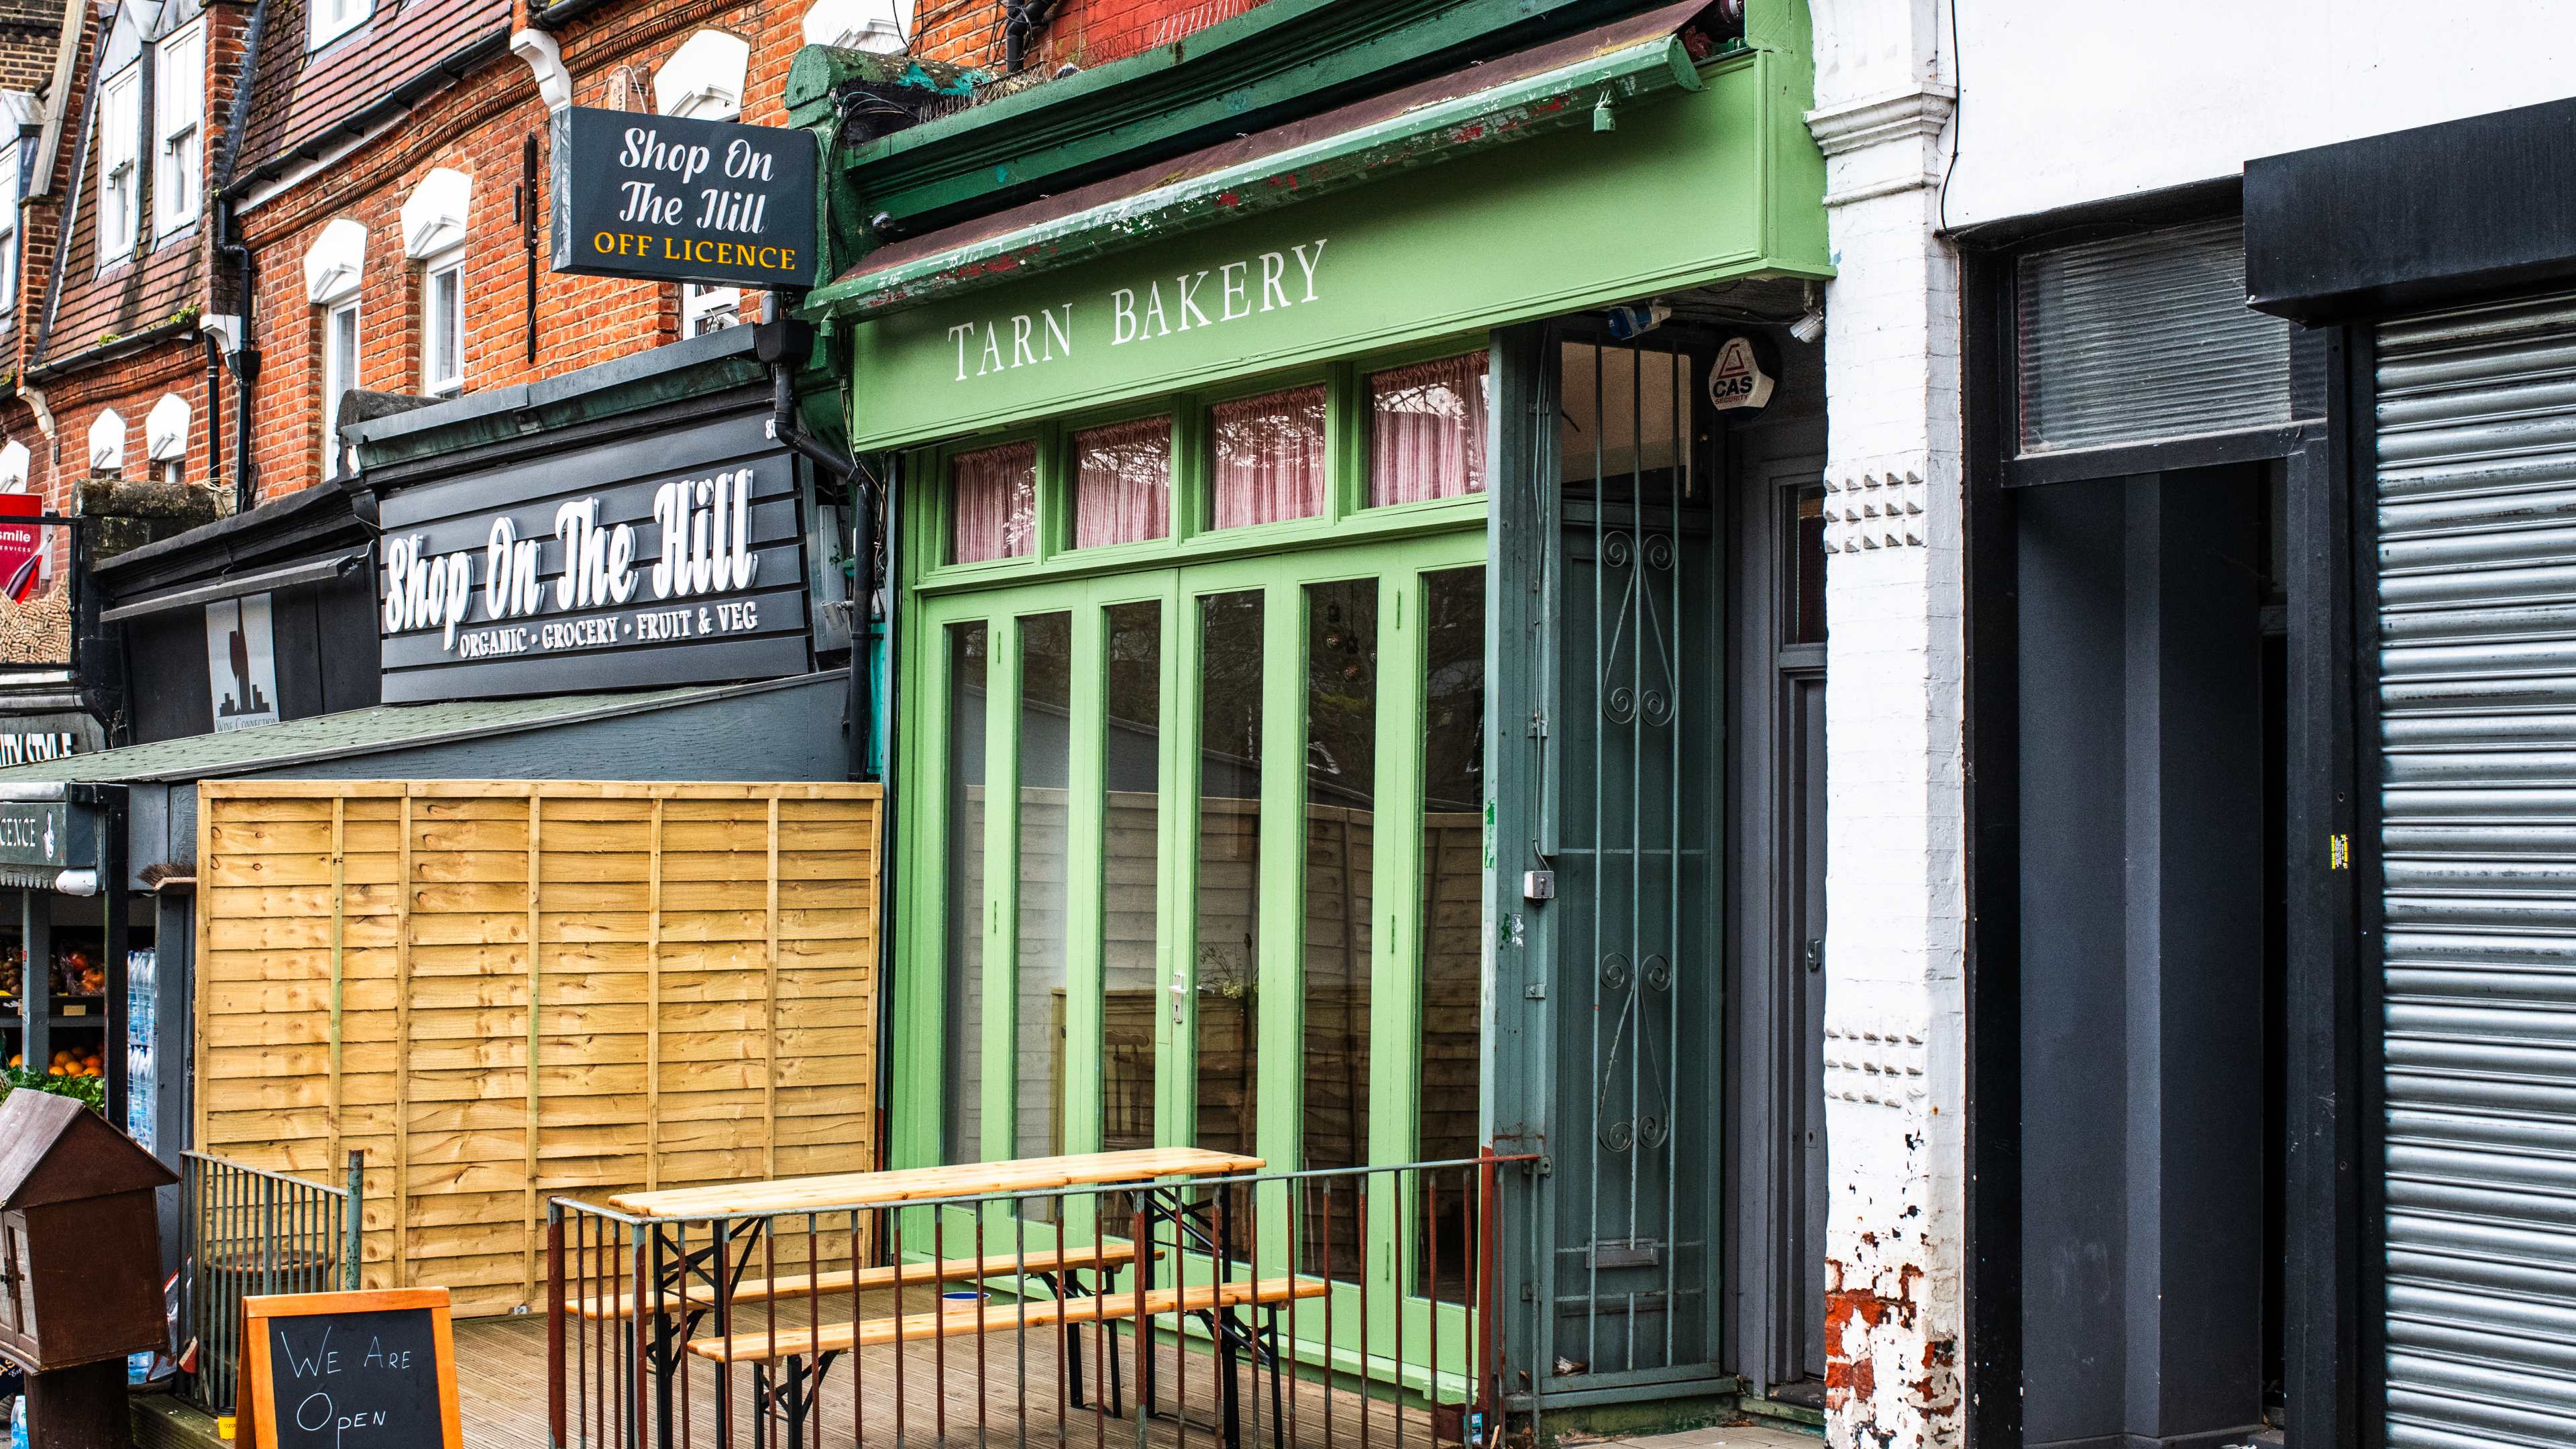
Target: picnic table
699,1282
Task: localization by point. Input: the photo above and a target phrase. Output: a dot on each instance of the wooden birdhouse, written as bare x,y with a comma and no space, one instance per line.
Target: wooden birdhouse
80,1242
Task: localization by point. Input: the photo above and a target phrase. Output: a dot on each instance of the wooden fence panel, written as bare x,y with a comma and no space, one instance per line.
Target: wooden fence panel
501,991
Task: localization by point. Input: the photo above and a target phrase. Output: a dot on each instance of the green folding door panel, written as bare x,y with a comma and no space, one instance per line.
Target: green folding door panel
991,821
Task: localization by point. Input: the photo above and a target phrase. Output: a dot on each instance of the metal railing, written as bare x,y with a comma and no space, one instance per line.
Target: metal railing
1330,1307
244,1232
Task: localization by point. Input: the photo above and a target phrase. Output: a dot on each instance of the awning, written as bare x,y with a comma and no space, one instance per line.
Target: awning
312,571
1549,88
382,729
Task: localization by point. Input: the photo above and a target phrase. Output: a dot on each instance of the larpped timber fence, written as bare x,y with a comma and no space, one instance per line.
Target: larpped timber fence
1329,1307
246,1231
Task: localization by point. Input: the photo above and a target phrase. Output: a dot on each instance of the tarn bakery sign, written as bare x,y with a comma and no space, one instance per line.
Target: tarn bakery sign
669,558
639,195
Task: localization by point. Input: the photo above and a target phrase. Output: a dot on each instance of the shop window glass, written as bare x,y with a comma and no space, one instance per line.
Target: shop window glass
1226,959
1427,431
1624,421
994,503
1131,917
1452,964
1268,463
1341,803
1044,870
1806,554
968,653
1122,483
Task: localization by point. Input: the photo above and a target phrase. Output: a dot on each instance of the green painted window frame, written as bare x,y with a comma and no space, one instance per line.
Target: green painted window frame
1400,545
1347,516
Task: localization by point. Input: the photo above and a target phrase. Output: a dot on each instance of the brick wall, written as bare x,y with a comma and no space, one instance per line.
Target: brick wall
481,128
1078,32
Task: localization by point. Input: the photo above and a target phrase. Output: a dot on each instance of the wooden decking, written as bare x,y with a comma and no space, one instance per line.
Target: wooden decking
925,1394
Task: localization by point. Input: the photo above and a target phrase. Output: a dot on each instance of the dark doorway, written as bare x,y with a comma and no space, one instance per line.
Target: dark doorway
2147,794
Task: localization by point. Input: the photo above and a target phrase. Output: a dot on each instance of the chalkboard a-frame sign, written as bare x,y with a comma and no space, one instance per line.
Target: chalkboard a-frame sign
348,1371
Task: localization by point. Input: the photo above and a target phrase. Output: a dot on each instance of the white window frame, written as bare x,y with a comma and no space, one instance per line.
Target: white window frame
9,162
328,20
107,442
178,130
709,309
881,26
339,375
120,169
435,327
165,435
704,79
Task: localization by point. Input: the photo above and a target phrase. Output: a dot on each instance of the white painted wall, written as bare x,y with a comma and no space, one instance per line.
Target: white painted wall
2070,101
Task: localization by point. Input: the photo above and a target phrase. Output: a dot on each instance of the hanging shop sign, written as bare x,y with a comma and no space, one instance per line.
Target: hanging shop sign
670,200
670,558
49,845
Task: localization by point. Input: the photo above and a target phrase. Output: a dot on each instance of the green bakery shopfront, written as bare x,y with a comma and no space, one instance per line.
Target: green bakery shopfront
1357,664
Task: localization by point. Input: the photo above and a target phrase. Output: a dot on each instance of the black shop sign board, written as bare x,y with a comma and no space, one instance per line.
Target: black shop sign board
671,200
667,557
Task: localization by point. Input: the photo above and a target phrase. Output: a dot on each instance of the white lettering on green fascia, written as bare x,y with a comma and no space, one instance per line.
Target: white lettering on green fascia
1130,322
1042,338
1229,292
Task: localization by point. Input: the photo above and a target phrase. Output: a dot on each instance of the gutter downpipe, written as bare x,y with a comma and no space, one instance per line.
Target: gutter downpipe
863,547
229,246
562,13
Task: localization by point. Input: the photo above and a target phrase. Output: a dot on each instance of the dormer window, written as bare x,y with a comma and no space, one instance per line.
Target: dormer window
9,155
178,113
120,136
328,20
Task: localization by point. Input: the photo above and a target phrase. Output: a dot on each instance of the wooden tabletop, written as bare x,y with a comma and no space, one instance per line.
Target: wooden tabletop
911,1184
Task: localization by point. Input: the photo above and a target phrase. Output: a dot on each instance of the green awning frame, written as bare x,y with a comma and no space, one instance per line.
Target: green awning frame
1560,98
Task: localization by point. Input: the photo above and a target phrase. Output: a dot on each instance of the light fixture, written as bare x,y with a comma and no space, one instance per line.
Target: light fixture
1811,323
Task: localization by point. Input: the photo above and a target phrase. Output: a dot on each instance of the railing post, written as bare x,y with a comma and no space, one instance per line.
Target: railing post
353,1216
267,1235
555,1323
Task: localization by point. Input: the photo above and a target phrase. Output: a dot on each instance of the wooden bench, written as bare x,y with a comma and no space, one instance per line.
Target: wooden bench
1109,1257
987,1317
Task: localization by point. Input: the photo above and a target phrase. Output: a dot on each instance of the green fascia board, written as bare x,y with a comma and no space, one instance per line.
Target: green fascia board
1560,99
1274,62
1699,187
817,71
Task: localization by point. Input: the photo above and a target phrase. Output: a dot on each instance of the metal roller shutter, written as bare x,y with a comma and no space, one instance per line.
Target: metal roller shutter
2477,694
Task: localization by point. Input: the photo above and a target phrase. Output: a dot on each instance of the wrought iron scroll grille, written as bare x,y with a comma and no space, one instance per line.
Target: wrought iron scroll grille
1634,789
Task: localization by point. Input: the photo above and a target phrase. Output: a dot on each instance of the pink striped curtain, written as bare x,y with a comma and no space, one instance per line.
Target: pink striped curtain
995,496
1269,464
1122,483
1427,430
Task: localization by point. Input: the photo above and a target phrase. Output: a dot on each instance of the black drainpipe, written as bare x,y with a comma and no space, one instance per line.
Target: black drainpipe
778,343
1020,20
229,247
214,409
